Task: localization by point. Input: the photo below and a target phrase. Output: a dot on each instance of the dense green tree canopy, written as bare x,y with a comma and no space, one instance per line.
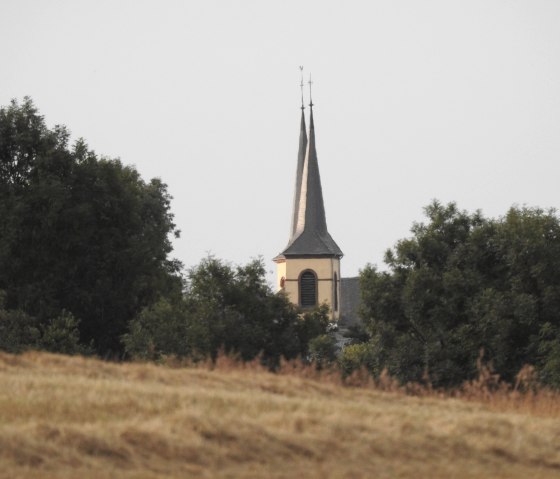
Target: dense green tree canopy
463,283
226,308
78,233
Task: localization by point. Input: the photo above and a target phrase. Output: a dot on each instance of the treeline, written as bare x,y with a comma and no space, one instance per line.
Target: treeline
85,266
460,285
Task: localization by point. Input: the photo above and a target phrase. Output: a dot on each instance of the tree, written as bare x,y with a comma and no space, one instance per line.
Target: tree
463,283
79,233
225,308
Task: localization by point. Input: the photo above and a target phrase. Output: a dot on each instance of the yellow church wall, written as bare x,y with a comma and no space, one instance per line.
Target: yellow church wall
280,273
324,268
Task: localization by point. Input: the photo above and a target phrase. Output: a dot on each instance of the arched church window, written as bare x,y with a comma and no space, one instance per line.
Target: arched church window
335,292
308,289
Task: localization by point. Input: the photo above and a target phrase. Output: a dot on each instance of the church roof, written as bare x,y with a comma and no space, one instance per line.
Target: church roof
350,302
299,173
309,235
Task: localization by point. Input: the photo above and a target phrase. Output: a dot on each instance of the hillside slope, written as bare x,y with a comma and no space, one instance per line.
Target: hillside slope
74,417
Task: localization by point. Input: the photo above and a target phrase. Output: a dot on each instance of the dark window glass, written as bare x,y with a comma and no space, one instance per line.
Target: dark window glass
308,289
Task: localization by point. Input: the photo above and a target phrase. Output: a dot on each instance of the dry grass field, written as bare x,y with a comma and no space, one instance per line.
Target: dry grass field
71,417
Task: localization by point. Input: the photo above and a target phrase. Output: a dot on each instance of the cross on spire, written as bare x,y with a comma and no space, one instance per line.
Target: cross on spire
310,97
301,86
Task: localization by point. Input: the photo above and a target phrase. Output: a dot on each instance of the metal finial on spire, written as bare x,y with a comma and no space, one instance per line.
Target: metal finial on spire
310,97
301,86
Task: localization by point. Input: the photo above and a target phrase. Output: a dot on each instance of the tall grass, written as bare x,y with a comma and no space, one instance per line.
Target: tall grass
73,417
525,395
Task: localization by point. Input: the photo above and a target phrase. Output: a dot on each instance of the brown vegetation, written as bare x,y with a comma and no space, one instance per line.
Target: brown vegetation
75,417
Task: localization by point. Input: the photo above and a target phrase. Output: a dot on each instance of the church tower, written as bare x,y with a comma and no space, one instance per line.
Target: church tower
308,269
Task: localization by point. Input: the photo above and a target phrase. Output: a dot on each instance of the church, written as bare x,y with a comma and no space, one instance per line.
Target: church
308,269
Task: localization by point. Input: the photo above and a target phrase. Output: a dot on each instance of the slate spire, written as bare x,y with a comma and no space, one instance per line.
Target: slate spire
309,234
299,170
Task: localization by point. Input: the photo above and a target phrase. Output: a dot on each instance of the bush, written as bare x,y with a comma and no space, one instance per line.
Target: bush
18,331
322,350
356,357
61,335
158,330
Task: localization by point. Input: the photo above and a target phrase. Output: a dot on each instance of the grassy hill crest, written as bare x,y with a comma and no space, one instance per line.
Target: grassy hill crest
66,416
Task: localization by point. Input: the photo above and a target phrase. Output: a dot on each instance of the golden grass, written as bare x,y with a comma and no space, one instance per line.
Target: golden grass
71,417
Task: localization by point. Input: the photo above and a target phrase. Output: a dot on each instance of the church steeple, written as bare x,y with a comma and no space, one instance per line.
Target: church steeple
308,270
309,234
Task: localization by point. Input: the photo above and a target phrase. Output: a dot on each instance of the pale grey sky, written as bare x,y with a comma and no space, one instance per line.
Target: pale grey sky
414,100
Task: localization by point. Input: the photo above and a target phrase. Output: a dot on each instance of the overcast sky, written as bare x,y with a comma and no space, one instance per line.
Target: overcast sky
414,100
